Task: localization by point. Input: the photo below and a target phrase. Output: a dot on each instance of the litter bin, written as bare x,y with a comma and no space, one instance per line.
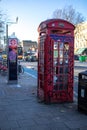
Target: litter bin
82,58
82,92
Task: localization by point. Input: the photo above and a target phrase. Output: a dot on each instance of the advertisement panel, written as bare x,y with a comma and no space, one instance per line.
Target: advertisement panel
12,59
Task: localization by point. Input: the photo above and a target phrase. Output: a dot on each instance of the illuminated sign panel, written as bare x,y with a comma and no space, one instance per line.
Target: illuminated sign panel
12,59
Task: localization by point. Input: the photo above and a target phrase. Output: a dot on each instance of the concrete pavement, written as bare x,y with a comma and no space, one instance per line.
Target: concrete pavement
20,110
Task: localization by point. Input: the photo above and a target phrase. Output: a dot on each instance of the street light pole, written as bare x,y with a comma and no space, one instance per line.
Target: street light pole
6,35
7,29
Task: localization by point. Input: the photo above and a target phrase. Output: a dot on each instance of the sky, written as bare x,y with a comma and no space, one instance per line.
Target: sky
31,13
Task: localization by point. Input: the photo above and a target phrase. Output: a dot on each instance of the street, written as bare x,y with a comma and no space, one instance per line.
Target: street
32,65
78,66
31,69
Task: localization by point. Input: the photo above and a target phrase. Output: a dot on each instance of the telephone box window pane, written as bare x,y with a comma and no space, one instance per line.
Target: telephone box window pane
61,46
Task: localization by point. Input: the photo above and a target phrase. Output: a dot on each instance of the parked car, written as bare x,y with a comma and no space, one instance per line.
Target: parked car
1,58
4,55
31,56
76,57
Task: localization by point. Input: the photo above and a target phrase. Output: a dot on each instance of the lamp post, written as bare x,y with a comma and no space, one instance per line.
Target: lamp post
6,35
11,64
7,24
7,28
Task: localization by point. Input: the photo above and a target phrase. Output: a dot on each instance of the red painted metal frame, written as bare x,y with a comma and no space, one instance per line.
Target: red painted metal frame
55,81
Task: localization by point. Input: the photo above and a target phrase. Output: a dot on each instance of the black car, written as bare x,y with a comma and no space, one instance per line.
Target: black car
76,57
31,56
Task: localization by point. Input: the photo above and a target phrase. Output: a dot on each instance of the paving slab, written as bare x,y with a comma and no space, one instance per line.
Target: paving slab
20,109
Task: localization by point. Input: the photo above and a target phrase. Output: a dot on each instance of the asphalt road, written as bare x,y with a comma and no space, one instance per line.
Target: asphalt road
78,66
31,65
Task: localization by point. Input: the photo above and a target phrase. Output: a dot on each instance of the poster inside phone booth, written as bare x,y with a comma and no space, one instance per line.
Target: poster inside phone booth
12,60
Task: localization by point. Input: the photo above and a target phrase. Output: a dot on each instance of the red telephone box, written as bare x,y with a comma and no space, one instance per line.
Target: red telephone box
55,61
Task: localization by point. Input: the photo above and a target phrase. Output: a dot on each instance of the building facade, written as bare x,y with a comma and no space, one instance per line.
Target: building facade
80,36
29,45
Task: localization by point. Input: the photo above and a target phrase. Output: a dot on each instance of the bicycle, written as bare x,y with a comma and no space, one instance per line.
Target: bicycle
20,68
3,69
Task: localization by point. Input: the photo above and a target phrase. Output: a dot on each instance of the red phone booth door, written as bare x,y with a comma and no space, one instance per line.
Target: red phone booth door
61,69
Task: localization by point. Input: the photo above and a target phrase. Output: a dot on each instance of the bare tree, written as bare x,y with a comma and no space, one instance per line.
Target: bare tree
69,13
3,21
